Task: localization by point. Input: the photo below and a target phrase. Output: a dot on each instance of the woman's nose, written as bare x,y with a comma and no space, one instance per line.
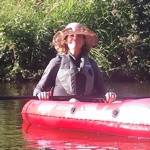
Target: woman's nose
75,36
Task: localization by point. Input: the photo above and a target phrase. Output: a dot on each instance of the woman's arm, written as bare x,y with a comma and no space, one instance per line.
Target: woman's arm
47,80
99,85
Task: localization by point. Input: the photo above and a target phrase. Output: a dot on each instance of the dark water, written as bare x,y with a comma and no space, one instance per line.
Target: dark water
15,135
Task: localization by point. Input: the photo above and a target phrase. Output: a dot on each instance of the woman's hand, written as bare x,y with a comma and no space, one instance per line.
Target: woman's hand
110,97
44,95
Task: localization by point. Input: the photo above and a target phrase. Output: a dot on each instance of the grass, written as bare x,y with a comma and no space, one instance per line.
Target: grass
27,29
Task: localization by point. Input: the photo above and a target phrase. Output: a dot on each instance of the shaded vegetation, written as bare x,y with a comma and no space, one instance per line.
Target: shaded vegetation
27,29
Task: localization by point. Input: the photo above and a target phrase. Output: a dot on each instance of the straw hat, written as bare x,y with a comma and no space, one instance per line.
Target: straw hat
75,28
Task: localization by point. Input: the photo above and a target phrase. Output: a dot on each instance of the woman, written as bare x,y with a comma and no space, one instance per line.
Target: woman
72,72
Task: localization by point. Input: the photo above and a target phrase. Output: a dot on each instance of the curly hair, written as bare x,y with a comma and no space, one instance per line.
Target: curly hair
63,48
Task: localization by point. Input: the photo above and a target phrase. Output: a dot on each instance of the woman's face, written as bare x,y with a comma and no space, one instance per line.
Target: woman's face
75,41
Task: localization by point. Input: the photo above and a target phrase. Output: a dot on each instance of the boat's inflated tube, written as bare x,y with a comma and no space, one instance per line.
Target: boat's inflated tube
127,118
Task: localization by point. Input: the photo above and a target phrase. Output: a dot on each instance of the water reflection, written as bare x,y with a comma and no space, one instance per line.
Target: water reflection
17,89
122,89
50,139
130,89
10,125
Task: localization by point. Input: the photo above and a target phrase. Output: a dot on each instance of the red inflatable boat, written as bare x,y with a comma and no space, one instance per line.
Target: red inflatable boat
129,118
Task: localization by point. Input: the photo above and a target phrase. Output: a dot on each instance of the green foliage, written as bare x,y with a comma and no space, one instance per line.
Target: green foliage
27,29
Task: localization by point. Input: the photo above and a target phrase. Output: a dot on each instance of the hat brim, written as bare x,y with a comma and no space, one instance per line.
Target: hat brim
91,37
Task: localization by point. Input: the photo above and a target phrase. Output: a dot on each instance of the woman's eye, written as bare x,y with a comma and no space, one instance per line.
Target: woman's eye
77,35
71,35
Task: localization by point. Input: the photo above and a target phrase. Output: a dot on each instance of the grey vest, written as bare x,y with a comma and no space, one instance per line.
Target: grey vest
67,74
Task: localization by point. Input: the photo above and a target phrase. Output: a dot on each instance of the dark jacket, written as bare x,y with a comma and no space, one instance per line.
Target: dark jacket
50,81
